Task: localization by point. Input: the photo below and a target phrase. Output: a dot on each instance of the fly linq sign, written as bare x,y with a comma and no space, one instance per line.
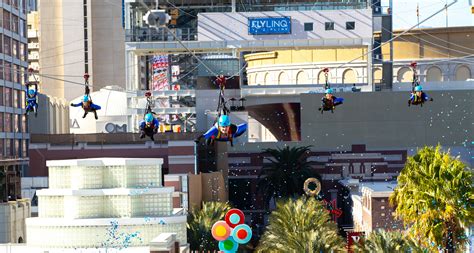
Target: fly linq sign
269,25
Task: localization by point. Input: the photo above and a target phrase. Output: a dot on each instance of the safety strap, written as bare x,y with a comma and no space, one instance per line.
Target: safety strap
149,102
32,73
87,90
415,81
326,74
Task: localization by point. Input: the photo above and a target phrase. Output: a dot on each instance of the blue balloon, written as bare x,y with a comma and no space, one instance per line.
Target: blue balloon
228,245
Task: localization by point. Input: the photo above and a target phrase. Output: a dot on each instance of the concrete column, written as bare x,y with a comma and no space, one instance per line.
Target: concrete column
233,6
370,80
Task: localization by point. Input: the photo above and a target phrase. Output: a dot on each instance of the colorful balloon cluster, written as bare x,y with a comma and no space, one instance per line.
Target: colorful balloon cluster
231,232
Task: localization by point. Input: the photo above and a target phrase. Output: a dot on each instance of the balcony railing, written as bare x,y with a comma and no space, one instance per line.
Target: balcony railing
160,34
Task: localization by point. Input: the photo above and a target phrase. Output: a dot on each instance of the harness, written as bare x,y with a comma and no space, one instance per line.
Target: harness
87,91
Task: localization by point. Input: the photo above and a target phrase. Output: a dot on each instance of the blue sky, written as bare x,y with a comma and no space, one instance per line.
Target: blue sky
404,11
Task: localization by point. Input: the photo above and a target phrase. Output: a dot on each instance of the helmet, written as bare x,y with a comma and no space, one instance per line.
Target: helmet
31,92
86,98
329,91
418,88
224,121
148,117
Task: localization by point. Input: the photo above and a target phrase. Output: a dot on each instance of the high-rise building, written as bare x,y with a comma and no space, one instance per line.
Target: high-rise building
79,37
33,44
13,128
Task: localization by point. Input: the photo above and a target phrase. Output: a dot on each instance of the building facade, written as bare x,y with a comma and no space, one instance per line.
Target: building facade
444,57
74,42
371,209
13,128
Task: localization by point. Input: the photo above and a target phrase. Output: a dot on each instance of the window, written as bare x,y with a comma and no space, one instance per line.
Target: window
382,207
382,214
22,52
8,97
8,122
308,27
14,4
8,72
329,26
15,72
18,99
7,49
17,123
6,19
350,25
1,123
1,77
24,124
14,24
25,148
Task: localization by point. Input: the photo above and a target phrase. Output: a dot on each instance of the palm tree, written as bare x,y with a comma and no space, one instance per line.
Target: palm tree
200,222
434,197
301,225
286,173
382,241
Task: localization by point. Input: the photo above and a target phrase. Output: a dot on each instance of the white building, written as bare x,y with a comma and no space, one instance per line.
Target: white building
12,220
108,202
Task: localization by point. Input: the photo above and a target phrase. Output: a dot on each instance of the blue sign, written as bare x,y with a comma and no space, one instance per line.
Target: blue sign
269,25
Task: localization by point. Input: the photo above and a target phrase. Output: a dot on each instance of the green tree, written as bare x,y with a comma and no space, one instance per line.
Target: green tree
434,198
200,222
382,241
301,225
284,176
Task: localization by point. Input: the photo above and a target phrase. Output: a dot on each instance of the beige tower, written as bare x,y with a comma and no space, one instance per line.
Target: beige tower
78,36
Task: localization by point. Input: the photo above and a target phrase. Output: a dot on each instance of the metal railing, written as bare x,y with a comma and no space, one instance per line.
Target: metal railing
139,34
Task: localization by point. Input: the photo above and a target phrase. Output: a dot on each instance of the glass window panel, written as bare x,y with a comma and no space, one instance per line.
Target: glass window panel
16,49
1,122
14,24
8,122
1,97
24,124
6,19
8,97
7,49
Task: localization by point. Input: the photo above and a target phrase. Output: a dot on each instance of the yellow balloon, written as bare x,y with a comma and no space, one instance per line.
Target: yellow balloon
221,231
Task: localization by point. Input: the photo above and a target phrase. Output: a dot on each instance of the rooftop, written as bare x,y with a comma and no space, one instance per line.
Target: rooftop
106,138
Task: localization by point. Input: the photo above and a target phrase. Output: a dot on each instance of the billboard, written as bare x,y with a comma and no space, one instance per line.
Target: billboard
269,25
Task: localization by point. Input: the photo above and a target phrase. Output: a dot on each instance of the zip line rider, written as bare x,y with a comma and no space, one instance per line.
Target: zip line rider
418,97
87,103
149,125
329,101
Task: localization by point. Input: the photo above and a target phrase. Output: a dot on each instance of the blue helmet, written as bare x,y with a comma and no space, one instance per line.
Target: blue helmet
418,88
149,118
31,92
329,91
224,121
86,98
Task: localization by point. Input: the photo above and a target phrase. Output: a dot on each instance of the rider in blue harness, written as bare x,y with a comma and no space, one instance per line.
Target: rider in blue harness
329,101
223,130
88,106
418,97
31,100
149,126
